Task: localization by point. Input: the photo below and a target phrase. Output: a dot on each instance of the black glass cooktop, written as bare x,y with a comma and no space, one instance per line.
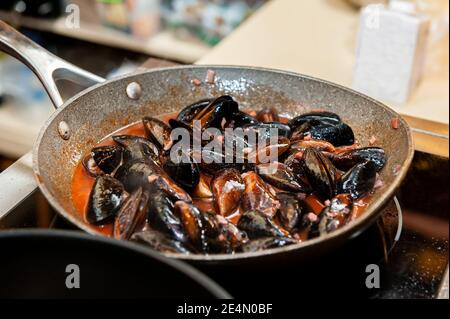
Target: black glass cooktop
408,245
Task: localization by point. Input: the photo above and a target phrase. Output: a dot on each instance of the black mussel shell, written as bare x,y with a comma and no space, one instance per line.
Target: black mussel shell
240,119
211,162
320,172
257,225
279,175
160,242
90,166
267,243
105,199
162,218
193,223
107,158
314,118
136,147
264,131
189,112
158,132
131,215
222,108
187,175
268,115
291,211
337,134
134,174
347,160
230,236
358,181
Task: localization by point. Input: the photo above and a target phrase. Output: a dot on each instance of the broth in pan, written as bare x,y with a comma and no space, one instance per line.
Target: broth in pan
215,179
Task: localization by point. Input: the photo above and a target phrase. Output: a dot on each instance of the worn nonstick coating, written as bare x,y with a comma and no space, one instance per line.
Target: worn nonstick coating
34,266
104,108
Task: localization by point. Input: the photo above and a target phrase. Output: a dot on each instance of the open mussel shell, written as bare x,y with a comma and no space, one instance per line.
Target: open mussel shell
314,118
347,160
257,225
267,243
320,172
336,134
162,182
108,157
264,131
185,174
358,181
131,215
161,217
279,175
160,242
187,114
105,199
158,132
241,119
258,196
291,210
219,110
227,187
136,147
230,236
134,174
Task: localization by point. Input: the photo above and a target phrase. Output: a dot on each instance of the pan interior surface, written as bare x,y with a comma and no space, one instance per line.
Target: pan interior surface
105,108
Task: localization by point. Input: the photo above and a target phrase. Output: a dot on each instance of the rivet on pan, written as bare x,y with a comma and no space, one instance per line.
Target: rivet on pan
134,90
64,130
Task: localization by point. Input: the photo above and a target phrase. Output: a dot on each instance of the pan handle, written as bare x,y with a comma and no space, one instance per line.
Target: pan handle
48,67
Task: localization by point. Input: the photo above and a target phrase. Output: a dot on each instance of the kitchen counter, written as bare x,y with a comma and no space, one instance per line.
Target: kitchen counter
318,38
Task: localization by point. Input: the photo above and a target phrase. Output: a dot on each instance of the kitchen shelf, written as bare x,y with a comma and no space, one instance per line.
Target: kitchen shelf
163,45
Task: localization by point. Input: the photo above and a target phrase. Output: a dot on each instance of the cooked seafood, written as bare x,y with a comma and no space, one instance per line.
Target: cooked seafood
228,197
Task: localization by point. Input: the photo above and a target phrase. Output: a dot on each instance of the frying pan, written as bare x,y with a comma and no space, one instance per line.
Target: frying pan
34,264
108,105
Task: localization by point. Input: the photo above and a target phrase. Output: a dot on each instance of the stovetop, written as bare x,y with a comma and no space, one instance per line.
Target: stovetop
408,244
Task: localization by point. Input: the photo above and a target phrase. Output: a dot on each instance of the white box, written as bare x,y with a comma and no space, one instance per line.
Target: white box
390,53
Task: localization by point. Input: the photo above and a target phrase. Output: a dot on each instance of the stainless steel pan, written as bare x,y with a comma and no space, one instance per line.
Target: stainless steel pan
108,105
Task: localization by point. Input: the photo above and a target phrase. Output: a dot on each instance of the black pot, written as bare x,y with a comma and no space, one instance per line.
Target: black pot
51,264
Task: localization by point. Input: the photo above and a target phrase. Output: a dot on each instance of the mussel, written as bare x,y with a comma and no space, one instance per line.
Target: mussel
291,210
131,215
158,132
193,223
320,172
187,114
333,216
108,157
358,181
161,217
336,134
230,237
105,199
240,119
160,242
227,187
185,174
279,175
134,174
160,181
258,195
217,113
347,160
314,118
257,225
136,148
